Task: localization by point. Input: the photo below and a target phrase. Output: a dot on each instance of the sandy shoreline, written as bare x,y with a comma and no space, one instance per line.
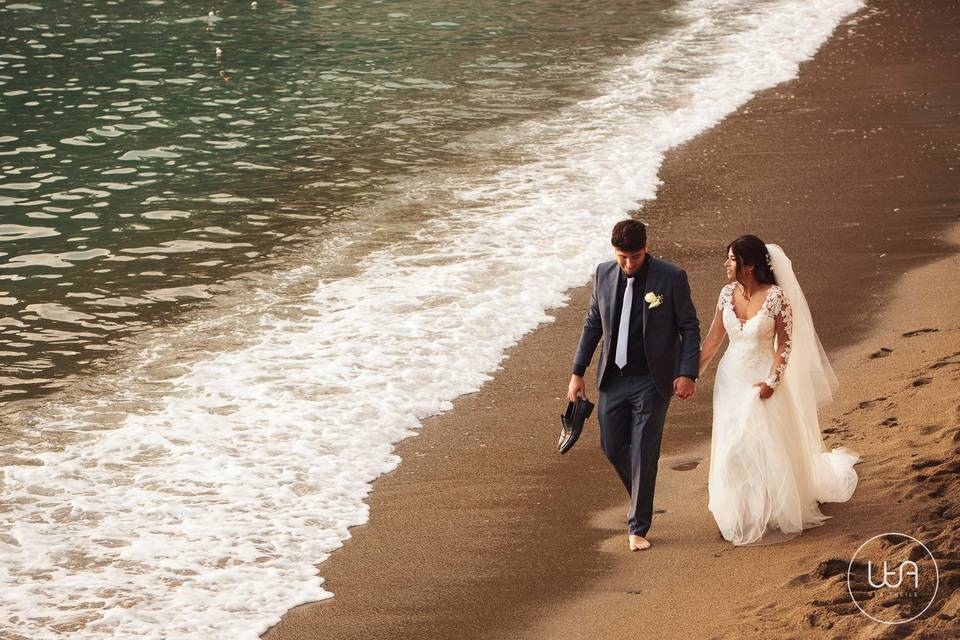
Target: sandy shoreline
484,531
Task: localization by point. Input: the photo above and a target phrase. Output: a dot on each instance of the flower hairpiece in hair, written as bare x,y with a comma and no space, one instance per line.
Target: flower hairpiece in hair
770,262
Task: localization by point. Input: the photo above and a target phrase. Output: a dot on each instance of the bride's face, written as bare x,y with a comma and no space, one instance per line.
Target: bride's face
730,265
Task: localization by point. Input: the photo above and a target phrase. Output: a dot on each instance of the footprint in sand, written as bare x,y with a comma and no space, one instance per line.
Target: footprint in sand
883,353
945,362
832,430
826,569
866,404
687,465
916,332
919,382
929,462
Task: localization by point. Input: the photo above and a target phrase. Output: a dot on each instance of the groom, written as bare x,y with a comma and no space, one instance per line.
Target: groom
641,307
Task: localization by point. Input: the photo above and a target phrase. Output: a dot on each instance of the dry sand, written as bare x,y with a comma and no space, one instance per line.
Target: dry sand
484,531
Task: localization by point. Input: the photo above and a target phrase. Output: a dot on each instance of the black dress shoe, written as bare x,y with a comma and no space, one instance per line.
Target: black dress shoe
571,423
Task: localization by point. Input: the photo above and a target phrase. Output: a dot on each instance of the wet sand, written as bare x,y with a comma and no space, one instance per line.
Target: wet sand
484,531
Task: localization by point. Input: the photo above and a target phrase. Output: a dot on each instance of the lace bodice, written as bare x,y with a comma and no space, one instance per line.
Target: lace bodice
764,335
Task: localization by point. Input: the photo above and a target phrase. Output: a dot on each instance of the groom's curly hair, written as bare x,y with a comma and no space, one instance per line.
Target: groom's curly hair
629,235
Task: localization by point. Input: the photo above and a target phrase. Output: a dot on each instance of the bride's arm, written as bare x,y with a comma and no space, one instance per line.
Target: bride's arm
784,332
712,342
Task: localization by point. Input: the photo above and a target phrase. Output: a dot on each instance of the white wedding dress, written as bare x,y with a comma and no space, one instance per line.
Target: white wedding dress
769,468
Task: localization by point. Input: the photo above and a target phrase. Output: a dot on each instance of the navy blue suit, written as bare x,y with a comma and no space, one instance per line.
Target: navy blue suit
632,407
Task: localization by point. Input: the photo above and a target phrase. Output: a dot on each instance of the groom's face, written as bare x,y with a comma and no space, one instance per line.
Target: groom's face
629,261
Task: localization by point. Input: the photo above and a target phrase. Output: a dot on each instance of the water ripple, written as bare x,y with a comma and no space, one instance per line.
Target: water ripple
170,129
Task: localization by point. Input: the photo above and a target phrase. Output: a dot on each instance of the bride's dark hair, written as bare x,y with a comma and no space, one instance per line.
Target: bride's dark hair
750,251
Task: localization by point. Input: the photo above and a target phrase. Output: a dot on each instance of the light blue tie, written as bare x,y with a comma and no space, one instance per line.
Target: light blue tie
623,335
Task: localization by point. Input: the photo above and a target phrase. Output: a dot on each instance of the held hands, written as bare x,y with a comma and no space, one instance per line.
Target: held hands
684,387
765,390
576,389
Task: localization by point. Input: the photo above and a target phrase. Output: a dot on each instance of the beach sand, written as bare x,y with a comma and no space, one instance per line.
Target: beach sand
484,531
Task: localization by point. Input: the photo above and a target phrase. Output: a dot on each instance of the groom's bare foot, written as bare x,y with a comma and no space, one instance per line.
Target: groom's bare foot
639,543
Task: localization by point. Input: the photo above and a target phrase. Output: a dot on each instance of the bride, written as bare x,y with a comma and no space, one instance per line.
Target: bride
769,468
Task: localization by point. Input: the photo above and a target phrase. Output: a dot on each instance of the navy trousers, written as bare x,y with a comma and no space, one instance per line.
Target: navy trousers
631,414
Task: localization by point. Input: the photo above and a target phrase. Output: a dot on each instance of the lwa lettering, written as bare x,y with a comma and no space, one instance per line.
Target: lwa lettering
911,570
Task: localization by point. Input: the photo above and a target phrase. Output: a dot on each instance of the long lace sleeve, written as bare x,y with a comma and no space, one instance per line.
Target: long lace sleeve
783,318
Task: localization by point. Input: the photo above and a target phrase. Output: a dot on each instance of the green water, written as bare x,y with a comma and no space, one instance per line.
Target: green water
149,151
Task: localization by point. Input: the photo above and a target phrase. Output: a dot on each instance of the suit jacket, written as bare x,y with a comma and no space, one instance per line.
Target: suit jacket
671,331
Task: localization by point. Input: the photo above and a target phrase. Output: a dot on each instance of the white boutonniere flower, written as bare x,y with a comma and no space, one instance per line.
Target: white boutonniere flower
654,300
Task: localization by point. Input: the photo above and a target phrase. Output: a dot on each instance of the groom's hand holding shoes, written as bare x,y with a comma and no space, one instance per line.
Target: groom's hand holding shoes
684,387
576,388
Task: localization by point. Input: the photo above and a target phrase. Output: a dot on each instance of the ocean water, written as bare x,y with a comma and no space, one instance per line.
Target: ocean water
244,253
